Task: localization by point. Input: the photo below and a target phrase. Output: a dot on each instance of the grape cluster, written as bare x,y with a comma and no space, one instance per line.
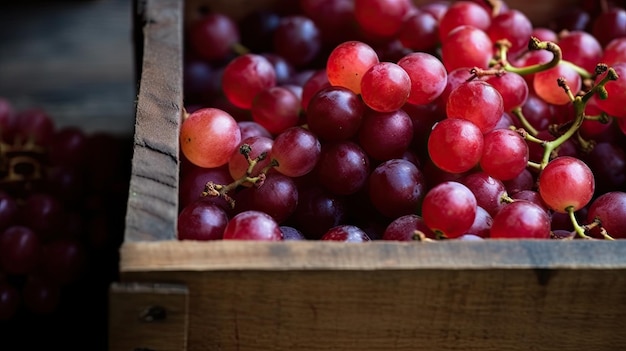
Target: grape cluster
62,204
360,120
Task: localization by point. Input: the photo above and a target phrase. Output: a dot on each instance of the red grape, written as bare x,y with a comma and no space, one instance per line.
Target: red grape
521,220
449,209
455,145
252,225
566,182
246,76
348,62
385,87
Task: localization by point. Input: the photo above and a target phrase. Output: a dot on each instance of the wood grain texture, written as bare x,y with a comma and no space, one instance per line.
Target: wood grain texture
153,194
432,309
312,255
148,317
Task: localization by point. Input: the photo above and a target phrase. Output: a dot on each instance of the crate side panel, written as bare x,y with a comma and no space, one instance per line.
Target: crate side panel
153,194
486,310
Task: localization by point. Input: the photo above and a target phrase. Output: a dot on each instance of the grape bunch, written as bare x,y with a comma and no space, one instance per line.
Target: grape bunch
361,120
62,205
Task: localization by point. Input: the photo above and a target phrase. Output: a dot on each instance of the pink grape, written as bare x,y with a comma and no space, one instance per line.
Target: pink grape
449,209
455,145
566,182
252,225
521,220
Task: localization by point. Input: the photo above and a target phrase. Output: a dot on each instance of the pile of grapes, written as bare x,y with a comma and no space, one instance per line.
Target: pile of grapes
63,196
359,120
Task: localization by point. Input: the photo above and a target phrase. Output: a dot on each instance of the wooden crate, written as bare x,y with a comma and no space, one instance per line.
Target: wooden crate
489,296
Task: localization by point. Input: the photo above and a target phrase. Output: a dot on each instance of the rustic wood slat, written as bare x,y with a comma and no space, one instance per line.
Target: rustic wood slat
153,193
402,310
147,316
311,255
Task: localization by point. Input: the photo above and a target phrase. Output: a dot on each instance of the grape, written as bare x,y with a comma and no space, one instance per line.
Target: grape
403,228
213,36
201,220
8,210
257,28
573,172
283,68
291,233
512,88
455,145
316,82
608,162
521,220
449,209
335,113
382,18
238,164
334,18
9,301
251,128
277,196
428,77
346,233
481,225
463,13
609,209
63,261
276,109
546,87
614,52
348,62
609,25
512,25
252,225
297,151
297,39
43,213
420,32
385,87
531,196
489,192
68,146
193,181
20,248
505,154
477,102
466,46
209,136
318,210
581,48
613,104
40,295
35,123
524,181
455,78
385,135
396,187
245,76
343,167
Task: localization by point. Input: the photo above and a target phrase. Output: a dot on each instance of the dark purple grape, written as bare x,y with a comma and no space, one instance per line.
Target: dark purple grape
291,233
297,39
20,249
343,167
396,188
335,113
318,210
201,220
404,228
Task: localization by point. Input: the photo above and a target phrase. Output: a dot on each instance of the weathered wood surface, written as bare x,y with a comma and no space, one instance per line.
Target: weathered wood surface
71,58
311,255
427,309
153,194
148,317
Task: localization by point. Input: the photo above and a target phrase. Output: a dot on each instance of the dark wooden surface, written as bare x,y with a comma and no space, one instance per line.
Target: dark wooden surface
72,58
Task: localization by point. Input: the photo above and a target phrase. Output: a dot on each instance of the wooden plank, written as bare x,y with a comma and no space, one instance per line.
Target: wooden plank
311,255
486,310
153,194
147,316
